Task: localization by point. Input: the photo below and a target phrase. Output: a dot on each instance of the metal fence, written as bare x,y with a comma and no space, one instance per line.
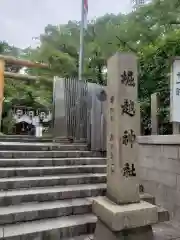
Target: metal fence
79,112
97,111
76,108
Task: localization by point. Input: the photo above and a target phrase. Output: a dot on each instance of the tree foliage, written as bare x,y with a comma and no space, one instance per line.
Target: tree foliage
152,32
18,92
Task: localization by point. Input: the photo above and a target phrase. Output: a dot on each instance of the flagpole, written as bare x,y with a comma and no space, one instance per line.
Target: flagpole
81,48
80,71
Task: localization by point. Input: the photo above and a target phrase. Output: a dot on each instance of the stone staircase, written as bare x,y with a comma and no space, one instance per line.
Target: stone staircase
47,190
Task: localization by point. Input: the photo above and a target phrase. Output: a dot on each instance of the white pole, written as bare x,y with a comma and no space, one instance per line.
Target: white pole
81,49
80,70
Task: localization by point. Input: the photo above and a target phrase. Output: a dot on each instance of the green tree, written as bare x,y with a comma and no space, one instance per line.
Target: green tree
18,91
152,32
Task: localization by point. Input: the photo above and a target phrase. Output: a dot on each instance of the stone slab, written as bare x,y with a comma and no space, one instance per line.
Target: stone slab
120,217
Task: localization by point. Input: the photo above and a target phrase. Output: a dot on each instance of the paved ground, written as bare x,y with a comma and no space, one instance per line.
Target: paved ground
167,231
164,231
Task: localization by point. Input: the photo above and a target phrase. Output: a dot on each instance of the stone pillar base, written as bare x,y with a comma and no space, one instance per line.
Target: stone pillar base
102,232
124,222
127,216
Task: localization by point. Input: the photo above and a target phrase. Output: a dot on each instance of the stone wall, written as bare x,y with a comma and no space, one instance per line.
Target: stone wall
159,158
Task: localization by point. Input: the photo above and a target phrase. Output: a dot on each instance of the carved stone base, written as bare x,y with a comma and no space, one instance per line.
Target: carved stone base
102,232
122,217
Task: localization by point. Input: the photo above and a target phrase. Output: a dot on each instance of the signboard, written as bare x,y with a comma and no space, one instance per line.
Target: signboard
31,116
175,91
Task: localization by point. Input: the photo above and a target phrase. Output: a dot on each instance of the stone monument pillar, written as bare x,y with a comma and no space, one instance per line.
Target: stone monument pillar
121,213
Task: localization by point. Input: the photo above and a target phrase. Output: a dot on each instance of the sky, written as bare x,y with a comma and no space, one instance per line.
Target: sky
22,20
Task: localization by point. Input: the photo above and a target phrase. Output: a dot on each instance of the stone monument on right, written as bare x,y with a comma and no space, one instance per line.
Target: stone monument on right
121,214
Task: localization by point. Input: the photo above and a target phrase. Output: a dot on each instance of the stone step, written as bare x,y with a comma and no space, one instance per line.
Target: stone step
163,214
37,211
163,231
71,227
55,228
48,154
46,181
22,146
143,196
14,197
16,138
54,170
37,162
32,139
148,198
82,237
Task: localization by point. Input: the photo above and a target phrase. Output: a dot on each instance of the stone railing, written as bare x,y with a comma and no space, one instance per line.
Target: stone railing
159,158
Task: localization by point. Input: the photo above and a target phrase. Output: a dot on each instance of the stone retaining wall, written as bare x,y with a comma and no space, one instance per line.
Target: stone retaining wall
159,158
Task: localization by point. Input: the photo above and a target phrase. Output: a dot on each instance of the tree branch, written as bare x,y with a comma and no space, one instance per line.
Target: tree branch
125,44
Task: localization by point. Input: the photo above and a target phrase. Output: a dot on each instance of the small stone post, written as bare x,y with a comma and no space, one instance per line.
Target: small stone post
155,113
121,213
59,111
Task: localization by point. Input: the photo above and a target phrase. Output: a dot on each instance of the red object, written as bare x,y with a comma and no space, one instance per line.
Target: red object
86,5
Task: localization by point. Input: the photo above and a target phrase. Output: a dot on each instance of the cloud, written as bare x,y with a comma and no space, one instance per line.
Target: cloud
21,20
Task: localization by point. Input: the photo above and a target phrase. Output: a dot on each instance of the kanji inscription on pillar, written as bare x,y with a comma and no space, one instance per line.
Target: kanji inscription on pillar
110,141
123,127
